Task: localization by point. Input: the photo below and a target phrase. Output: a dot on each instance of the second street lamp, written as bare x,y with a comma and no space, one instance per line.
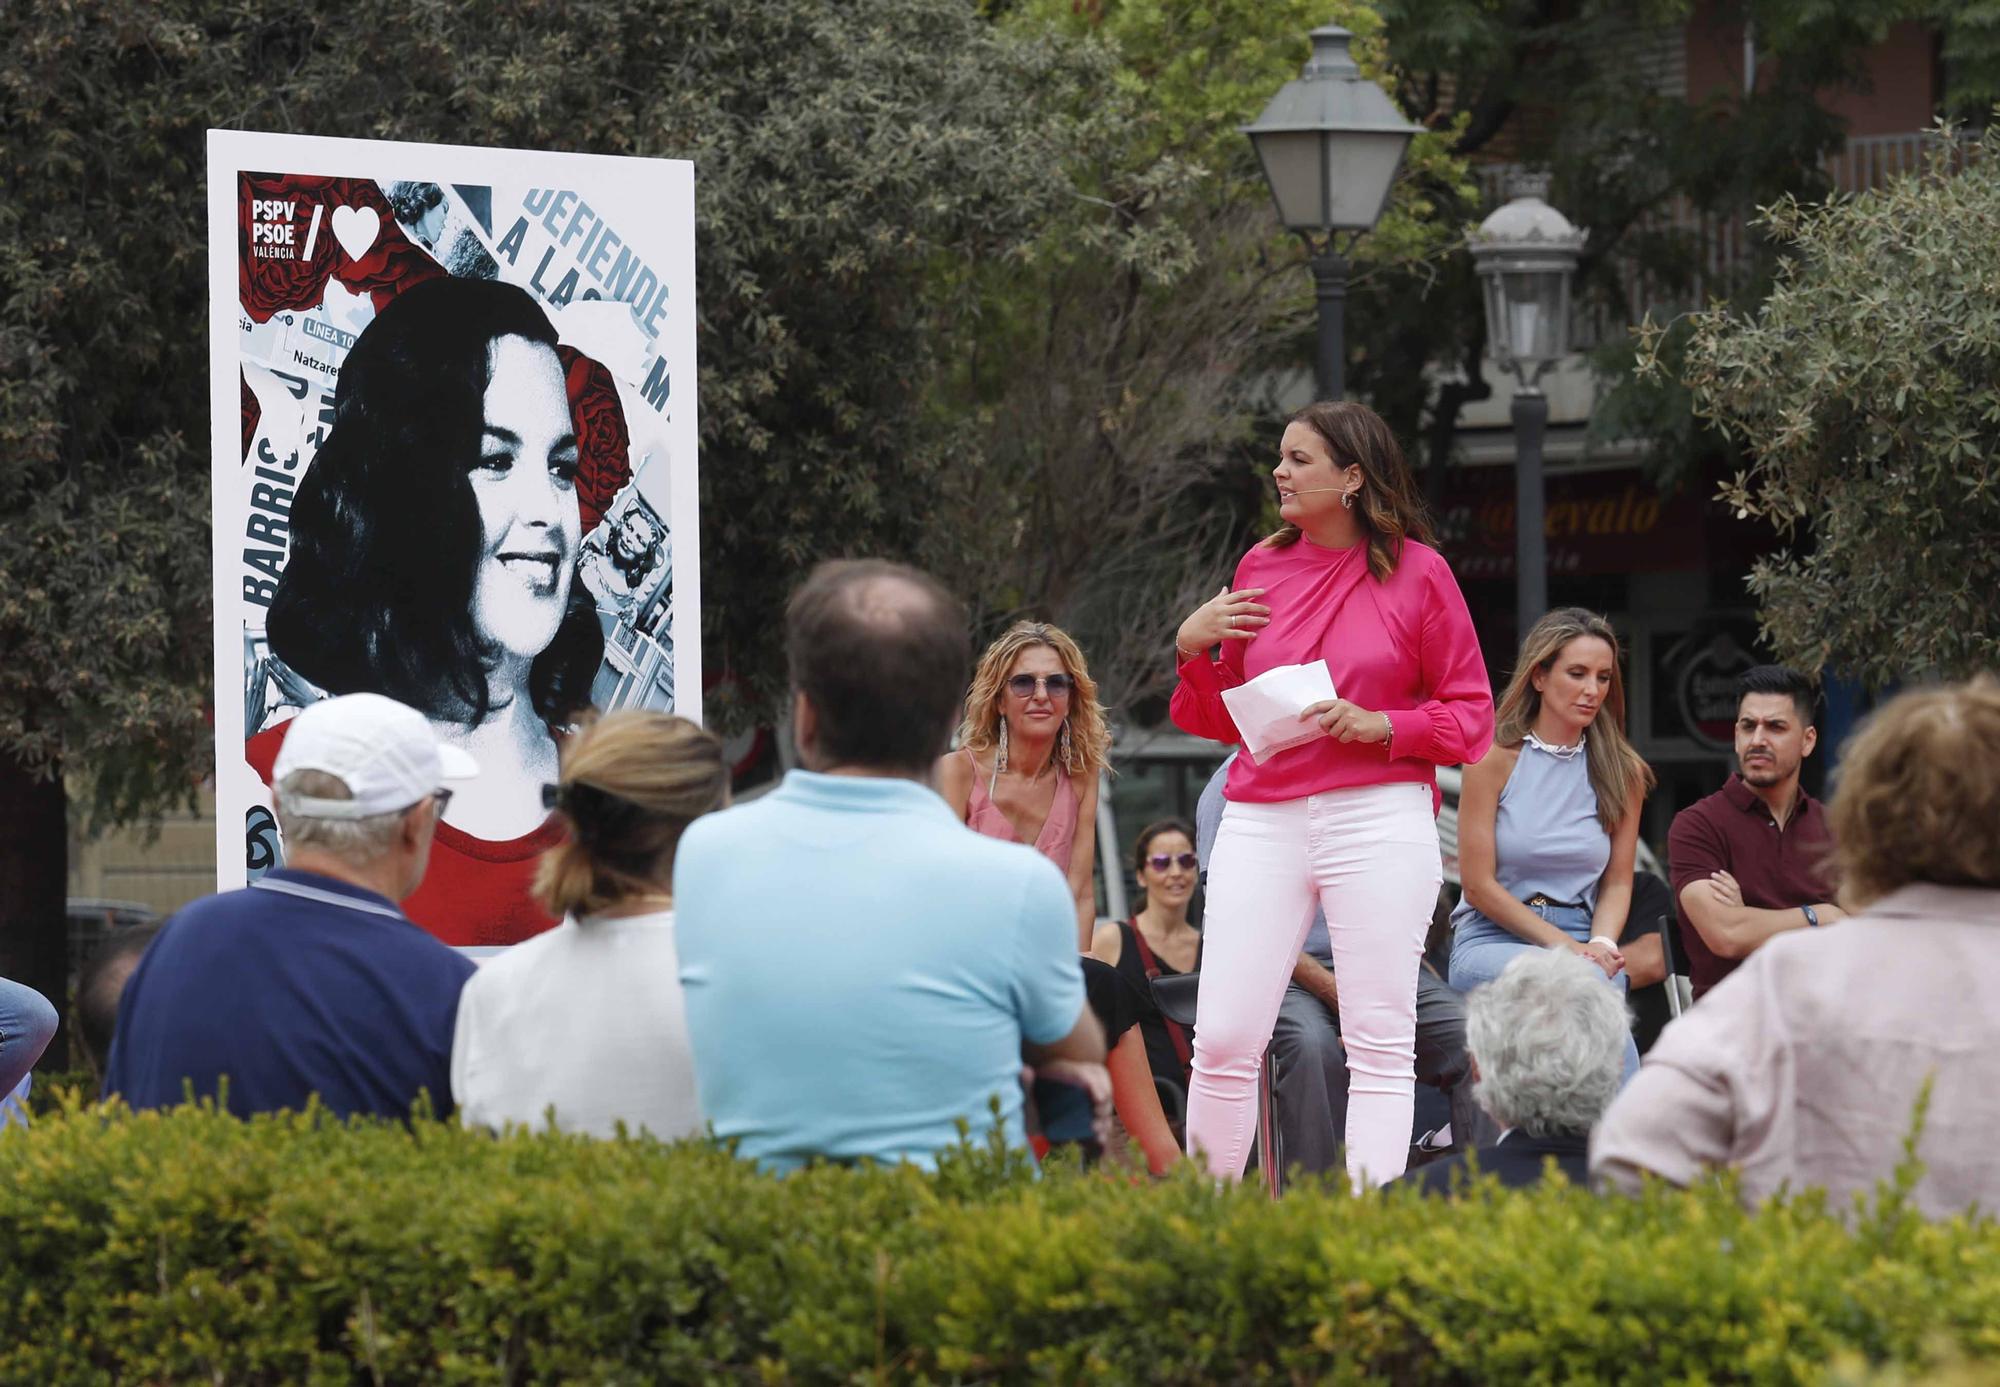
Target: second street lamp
1526,253
1330,143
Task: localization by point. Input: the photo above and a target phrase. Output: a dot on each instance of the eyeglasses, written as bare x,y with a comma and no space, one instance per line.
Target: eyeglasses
1160,861
1026,685
442,797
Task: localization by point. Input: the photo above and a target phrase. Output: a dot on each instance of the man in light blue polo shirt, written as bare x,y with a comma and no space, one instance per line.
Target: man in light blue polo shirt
862,972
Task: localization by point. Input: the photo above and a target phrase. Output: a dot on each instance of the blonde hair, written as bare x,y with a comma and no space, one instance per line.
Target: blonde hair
1616,770
1916,798
631,781
1087,749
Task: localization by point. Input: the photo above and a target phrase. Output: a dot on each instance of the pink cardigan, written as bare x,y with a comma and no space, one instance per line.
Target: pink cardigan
1405,647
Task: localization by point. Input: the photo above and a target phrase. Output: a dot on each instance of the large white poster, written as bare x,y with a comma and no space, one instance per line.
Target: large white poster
453,403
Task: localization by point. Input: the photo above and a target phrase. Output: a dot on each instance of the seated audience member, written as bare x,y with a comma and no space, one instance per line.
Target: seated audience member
1312,1069
310,981
1548,818
102,985
1120,1009
1748,861
14,1105
862,974
1031,747
1548,1048
1159,942
27,1025
584,1024
1805,1067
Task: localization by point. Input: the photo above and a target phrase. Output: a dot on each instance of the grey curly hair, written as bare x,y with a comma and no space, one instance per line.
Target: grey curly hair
1549,1037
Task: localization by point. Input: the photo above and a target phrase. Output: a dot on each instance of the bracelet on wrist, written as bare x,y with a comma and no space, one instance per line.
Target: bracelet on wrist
1186,654
1606,940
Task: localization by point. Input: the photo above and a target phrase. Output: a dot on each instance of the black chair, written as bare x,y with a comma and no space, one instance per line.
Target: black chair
1676,958
1175,996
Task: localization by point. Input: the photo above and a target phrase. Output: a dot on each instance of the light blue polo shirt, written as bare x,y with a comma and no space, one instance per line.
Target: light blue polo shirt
861,968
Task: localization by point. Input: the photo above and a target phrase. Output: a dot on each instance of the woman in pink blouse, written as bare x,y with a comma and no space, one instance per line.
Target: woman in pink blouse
1346,821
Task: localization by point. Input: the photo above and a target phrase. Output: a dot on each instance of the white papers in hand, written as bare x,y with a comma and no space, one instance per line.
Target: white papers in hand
1266,710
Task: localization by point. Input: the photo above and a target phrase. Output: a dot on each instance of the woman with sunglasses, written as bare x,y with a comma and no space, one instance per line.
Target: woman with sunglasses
1346,820
1158,941
1030,750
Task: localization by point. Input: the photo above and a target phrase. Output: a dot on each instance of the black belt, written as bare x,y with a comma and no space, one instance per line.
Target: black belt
1539,899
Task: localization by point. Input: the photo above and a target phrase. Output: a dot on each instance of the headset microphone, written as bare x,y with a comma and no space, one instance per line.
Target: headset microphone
1308,491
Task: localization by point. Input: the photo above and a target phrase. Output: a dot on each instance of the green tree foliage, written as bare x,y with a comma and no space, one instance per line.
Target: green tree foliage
1866,392
191,1247
845,153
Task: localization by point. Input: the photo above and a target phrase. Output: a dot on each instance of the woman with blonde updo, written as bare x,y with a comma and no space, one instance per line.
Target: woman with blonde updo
584,1026
1029,753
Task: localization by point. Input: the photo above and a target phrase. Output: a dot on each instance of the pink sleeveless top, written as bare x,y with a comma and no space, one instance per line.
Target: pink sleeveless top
1058,833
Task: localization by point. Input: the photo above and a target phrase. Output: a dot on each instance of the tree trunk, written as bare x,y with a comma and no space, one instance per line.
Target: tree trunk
34,887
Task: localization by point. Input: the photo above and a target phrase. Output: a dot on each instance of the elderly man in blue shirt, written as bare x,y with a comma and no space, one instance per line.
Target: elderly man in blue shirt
311,982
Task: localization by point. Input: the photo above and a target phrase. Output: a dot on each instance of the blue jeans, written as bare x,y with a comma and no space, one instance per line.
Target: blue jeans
27,1025
1480,949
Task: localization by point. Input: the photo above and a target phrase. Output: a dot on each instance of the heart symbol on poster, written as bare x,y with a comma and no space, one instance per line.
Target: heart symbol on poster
356,229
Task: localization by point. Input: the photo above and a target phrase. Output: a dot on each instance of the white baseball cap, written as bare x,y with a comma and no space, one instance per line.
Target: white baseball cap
383,751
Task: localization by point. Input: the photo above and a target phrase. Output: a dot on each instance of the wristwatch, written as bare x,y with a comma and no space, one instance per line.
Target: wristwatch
1812,917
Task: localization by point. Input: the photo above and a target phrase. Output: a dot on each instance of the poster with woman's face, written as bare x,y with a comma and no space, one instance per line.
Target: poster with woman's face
454,463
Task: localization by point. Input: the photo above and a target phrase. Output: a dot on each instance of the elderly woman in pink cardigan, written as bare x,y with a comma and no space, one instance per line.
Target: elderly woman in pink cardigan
1345,821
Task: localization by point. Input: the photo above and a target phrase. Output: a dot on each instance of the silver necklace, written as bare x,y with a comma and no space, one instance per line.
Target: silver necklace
1561,753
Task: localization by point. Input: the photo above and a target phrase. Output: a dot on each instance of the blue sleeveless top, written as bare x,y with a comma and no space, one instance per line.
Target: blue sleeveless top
1546,837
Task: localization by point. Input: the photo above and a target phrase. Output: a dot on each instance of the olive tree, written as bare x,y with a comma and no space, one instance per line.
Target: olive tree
1865,393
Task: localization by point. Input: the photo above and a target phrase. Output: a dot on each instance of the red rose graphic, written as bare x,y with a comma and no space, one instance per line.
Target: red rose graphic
252,412
269,284
603,444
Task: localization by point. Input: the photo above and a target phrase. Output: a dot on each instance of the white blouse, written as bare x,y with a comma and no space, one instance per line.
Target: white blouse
587,1021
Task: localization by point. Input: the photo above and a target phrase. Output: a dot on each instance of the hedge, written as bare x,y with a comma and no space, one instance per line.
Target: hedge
185,1246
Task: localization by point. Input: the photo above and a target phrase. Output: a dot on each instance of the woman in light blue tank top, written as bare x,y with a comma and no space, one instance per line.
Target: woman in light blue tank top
1548,820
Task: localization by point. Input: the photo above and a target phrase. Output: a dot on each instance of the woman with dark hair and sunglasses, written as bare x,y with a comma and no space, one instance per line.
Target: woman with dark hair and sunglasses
1345,820
434,544
1158,941
1030,750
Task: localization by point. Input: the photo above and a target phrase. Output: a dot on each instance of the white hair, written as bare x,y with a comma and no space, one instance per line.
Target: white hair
359,841
1549,1036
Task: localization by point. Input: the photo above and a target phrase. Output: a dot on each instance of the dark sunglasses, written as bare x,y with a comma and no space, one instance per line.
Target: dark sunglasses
443,797
1024,685
1160,861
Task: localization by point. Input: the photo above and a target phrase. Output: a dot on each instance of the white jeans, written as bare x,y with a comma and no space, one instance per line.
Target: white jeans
1369,856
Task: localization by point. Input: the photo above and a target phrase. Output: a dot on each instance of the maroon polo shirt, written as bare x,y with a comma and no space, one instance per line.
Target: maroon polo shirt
1778,868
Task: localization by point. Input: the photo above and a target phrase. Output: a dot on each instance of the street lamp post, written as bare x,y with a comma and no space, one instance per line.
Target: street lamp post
1526,254
1330,143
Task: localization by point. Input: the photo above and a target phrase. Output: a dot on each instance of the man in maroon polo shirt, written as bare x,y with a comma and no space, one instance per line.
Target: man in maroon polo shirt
1750,860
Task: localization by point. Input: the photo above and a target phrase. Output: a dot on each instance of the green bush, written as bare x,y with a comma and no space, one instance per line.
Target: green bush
187,1246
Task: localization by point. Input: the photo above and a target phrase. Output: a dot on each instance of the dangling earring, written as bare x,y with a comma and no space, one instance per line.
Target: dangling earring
1062,745
1000,759
1347,499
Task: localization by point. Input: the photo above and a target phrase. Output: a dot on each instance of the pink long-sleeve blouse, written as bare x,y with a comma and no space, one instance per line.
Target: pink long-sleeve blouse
1405,647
